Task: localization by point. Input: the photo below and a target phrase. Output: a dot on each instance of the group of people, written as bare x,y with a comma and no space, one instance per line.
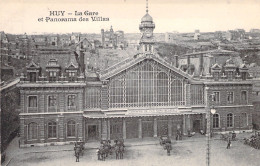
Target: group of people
106,149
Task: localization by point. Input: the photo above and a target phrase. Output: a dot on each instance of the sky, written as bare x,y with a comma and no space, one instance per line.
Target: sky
20,16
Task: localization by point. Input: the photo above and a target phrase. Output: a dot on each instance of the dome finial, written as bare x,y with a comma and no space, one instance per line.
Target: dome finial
146,6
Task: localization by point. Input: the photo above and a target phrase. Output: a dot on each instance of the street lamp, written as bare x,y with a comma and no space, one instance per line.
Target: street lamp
210,110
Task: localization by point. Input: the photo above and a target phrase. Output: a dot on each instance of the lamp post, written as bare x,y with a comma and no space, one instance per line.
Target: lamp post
210,110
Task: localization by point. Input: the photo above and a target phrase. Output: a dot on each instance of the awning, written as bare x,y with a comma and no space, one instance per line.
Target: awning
107,116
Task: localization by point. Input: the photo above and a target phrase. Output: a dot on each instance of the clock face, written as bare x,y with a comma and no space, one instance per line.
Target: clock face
147,31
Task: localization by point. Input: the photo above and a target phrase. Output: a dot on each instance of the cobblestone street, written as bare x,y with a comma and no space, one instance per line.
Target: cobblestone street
148,152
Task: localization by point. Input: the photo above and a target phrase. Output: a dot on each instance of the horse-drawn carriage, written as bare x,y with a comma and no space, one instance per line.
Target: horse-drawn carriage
79,149
165,141
253,141
232,136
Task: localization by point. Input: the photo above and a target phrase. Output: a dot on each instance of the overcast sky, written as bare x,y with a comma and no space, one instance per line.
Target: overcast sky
19,16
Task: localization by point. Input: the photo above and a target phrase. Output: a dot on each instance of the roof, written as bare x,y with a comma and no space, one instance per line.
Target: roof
64,58
147,18
214,52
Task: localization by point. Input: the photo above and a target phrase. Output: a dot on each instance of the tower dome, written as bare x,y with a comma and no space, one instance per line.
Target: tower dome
147,18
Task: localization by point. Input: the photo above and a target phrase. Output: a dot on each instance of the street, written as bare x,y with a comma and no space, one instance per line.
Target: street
187,152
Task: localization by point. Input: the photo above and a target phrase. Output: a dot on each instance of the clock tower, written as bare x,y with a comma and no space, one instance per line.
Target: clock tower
146,28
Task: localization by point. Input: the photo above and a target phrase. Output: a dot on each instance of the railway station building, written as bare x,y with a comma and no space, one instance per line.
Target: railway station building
142,96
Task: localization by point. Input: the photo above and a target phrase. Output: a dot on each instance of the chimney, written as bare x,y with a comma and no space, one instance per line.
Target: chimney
188,64
176,57
201,63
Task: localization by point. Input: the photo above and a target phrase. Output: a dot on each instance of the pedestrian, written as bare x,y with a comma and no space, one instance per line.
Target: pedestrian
98,154
233,135
228,143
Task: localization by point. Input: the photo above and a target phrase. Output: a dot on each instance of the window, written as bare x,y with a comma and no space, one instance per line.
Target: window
72,74
230,75
71,100
146,85
243,75
243,120
93,97
230,97
32,131
216,121
216,97
216,76
244,96
52,130
52,101
53,75
32,77
71,129
32,101
230,120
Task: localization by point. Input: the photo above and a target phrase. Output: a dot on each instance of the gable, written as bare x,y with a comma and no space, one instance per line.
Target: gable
157,63
32,65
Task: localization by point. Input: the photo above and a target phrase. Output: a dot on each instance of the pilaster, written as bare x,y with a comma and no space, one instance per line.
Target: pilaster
155,127
140,128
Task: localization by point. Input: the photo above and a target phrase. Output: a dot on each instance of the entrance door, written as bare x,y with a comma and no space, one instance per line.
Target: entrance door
196,126
92,132
116,130
147,128
132,128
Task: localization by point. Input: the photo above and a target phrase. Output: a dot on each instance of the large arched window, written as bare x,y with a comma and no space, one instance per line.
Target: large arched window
32,131
52,130
230,120
71,128
216,121
146,84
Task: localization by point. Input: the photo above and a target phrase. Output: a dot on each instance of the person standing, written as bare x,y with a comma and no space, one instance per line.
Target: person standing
228,143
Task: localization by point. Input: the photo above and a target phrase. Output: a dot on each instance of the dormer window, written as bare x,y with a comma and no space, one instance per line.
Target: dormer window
32,76
216,76
243,75
52,62
53,75
72,74
230,75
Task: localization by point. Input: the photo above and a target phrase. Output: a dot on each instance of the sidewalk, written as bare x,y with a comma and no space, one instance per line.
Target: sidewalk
13,149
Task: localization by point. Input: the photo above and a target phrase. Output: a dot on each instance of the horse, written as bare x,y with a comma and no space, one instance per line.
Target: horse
168,147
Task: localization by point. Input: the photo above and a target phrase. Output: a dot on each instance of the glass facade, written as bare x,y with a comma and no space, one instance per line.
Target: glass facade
147,84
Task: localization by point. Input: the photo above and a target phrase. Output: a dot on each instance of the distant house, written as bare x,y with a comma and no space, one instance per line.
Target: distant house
7,71
197,35
238,34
